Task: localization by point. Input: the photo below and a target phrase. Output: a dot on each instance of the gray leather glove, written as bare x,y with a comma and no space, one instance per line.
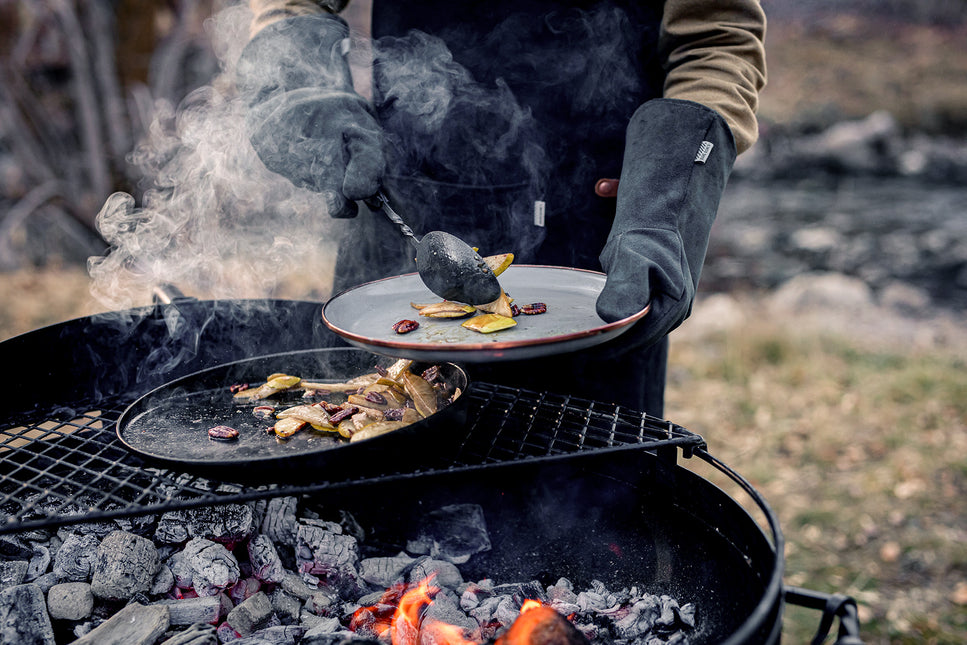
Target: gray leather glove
305,120
678,155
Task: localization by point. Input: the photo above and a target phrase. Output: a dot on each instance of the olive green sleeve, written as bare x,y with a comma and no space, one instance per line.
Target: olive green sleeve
714,54
265,12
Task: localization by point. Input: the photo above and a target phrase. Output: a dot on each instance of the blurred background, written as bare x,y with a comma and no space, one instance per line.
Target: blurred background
826,359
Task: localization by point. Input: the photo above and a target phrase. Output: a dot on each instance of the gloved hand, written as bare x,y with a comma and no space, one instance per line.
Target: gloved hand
305,121
668,195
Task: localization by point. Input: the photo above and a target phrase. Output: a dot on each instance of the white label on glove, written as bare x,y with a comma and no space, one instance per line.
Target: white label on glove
704,150
539,214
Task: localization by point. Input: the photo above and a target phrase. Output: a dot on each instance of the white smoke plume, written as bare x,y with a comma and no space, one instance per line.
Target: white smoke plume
212,220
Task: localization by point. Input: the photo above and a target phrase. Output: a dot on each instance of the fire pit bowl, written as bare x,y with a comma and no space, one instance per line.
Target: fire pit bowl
625,519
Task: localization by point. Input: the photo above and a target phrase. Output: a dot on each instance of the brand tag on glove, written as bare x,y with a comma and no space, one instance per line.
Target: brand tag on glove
539,208
704,150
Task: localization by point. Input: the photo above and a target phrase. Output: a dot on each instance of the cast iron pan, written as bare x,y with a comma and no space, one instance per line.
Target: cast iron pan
169,425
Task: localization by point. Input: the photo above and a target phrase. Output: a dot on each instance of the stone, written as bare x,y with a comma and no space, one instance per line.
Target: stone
70,601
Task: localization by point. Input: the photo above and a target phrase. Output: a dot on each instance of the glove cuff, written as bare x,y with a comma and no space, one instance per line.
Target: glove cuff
295,53
677,152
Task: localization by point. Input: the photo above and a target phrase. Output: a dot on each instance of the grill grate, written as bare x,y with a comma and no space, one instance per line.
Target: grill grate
70,468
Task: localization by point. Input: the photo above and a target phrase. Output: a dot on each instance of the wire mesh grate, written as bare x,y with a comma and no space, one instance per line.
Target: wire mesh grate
69,467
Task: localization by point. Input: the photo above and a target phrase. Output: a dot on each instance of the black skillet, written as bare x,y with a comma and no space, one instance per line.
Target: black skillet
169,425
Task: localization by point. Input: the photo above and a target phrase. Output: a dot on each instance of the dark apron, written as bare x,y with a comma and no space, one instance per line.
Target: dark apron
501,116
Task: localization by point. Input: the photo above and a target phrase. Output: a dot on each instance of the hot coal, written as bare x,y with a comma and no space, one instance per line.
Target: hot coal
272,572
452,533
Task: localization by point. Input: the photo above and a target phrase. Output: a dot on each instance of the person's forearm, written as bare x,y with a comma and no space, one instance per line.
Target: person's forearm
714,55
265,12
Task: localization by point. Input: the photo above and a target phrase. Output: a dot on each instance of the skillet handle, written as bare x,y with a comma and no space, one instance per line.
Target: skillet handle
832,606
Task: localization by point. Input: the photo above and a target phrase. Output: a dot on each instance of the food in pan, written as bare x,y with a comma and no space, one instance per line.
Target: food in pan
486,318
222,433
363,407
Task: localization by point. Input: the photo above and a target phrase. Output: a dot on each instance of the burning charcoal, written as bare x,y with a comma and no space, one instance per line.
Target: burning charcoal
197,634
172,528
244,589
672,616
13,548
212,566
452,533
75,558
226,633
542,626
125,565
323,604
38,563
280,524
252,615
23,616
322,550
266,564
274,635
294,584
46,581
12,572
474,593
70,601
445,608
445,574
135,624
640,619
383,572
562,591
287,608
228,524
522,591
163,581
187,611
329,631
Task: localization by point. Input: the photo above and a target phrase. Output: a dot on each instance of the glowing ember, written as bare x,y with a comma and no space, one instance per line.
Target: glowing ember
404,617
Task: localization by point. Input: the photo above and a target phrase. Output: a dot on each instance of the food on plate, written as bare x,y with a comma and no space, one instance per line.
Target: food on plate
362,407
405,326
445,309
486,318
489,323
501,305
222,433
533,309
499,263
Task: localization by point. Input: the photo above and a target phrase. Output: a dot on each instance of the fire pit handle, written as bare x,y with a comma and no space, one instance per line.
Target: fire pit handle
832,606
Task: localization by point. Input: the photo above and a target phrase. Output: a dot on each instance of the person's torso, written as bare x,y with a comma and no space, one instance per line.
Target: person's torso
504,112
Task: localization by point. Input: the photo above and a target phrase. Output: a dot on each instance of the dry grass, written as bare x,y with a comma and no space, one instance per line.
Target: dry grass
850,66
860,446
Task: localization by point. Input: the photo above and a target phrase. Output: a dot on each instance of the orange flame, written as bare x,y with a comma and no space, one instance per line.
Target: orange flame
529,604
408,625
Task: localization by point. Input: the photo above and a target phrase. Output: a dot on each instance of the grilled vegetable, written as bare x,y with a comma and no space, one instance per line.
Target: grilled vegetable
499,263
447,309
489,323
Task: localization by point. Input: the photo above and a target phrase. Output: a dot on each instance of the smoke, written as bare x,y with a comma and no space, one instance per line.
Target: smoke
215,222
212,220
